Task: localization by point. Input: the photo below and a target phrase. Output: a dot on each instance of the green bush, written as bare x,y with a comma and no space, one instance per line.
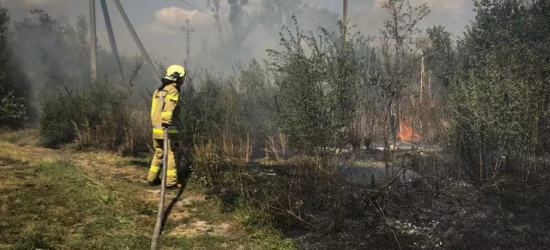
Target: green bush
56,117
317,86
492,123
102,117
499,99
240,104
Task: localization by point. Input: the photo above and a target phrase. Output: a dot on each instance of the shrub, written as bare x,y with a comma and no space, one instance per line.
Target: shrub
317,86
102,117
499,100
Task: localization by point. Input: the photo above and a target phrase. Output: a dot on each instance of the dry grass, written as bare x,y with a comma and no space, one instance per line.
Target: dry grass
100,201
134,138
277,145
235,150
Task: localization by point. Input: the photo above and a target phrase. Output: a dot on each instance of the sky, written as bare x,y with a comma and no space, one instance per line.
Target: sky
159,22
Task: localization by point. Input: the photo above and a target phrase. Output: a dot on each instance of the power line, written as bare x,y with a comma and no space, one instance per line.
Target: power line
220,11
216,16
194,6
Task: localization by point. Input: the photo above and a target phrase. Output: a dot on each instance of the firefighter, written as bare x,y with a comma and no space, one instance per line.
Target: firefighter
165,116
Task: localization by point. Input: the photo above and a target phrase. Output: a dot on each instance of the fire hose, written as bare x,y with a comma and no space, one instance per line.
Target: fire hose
158,226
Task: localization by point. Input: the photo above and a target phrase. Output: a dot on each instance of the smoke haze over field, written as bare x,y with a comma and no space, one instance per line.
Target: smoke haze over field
247,27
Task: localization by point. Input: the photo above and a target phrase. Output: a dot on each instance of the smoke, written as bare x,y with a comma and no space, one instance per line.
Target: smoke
236,19
215,8
45,55
55,56
254,26
227,31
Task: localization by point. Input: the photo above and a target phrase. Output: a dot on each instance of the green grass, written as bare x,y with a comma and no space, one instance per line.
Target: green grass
55,206
60,208
10,139
11,136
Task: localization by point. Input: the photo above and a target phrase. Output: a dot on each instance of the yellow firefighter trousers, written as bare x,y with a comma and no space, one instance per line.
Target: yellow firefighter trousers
156,164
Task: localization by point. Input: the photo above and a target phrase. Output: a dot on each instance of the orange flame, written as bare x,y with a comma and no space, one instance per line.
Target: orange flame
406,132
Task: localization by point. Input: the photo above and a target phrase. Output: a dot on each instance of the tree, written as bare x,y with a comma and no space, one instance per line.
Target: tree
13,87
397,34
440,55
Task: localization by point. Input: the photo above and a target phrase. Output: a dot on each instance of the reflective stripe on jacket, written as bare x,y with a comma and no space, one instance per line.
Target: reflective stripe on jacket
167,112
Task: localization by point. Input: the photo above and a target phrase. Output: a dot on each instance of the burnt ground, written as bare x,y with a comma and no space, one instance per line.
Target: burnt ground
436,207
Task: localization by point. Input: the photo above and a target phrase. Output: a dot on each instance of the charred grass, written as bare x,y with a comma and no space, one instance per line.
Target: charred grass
441,208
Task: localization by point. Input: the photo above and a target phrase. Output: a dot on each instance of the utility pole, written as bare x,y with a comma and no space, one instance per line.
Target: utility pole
423,72
345,21
421,79
112,40
430,94
93,42
188,31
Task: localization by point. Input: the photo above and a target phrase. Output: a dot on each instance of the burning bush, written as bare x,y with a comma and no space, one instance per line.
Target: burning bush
406,131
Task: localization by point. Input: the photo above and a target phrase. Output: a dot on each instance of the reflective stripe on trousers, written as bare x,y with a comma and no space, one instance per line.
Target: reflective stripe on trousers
158,129
171,173
154,168
156,163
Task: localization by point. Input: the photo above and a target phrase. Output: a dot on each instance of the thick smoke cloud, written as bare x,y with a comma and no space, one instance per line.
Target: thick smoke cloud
230,30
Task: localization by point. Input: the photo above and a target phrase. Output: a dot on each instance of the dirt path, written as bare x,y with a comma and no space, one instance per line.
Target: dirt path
191,215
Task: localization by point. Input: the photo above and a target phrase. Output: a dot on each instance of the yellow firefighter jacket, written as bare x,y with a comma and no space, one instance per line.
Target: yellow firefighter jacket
165,110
